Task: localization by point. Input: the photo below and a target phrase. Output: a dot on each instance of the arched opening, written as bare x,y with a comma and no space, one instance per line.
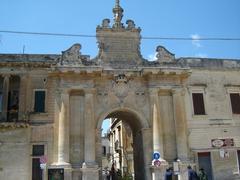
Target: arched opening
125,140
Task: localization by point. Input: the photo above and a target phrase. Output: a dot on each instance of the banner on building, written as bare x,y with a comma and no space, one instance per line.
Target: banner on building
218,143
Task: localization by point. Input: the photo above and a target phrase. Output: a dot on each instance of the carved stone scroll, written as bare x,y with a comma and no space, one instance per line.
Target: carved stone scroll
72,56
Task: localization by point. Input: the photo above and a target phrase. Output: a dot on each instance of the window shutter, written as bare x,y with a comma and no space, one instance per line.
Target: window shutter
39,104
198,104
235,102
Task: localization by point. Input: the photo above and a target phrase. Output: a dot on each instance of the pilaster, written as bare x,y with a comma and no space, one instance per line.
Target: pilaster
22,97
147,151
158,173
99,147
156,121
90,173
6,80
63,132
180,124
90,130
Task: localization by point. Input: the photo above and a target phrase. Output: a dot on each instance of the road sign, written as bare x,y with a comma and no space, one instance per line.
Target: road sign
43,166
156,155
157,163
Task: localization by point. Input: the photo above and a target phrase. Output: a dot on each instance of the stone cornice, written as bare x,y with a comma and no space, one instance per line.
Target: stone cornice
26,64
167,71
51,61
210,63
6,126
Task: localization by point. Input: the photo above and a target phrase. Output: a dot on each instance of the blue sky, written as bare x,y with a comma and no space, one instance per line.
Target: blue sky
105,126
161,18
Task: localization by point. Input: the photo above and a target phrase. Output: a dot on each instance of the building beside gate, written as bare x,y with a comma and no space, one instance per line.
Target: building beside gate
121,147
52,108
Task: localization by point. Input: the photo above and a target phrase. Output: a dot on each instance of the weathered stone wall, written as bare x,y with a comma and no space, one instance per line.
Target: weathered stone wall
135,92
219,121
15,154
224,169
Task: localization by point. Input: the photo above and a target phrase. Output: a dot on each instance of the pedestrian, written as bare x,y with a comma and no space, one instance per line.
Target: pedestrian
108,175
192,175
168,174
202,175
114,172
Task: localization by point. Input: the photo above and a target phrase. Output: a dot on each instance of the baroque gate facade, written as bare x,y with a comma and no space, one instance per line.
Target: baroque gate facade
57,103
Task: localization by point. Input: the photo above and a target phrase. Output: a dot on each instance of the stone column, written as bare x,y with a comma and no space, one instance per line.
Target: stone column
99,147
90,132
157,122
6,82
22,98
89,168
63,131
63,136
147,151
180,124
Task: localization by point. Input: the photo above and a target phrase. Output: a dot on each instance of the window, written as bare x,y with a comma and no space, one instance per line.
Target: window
1,101
39,103
238,154
1,93
198,104
104,150
235,102
13,99
37,151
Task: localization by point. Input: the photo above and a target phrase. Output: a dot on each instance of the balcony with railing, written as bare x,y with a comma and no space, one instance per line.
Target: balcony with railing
13,120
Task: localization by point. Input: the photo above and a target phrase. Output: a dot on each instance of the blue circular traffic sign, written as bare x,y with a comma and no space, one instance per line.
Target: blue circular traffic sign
156,155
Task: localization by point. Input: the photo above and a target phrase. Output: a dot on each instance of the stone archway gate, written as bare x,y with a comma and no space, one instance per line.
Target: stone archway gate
119,78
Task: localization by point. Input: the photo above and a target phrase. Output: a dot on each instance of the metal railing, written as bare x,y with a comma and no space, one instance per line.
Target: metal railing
14,116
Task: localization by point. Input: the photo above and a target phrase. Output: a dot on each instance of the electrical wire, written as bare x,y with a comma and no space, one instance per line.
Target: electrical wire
144,37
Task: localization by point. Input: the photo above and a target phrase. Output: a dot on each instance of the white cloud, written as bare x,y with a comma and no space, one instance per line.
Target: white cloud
196,40
201,55
152,57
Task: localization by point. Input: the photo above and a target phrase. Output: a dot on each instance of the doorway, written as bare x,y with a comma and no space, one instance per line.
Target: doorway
204,161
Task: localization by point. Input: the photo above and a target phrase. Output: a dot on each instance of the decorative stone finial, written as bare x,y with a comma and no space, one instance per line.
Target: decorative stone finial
117,3
130,24
105,23
118,14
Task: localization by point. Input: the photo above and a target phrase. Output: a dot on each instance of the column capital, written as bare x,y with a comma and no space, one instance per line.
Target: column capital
90,91
153,90
165,92
146,130
65,97
62,93
178,91
6,75
23,75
